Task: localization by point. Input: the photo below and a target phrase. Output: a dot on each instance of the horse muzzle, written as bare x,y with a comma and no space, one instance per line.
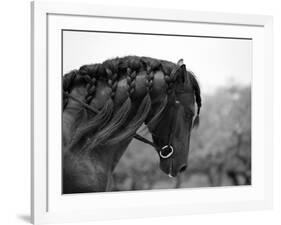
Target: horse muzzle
169,163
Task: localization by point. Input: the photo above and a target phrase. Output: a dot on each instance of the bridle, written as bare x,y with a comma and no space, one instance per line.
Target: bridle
165,152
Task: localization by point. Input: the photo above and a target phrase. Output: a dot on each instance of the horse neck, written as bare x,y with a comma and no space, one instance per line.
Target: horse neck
91,172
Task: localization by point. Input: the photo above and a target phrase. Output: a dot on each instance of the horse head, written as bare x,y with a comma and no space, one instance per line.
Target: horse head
172,131
105,104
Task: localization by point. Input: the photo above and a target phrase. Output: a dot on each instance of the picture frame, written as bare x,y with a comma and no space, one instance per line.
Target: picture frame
48,205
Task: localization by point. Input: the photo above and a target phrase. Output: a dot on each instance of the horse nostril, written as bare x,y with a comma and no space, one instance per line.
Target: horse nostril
183,168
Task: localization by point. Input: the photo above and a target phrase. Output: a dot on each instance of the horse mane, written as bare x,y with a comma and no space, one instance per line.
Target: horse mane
113,124
197,94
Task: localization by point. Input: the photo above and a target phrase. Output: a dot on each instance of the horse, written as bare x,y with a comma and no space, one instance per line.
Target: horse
104,104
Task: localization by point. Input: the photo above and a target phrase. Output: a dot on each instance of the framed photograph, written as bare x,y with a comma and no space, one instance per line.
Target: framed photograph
140,112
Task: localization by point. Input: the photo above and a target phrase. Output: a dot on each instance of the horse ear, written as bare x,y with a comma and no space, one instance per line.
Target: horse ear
181,75
176,74
180,62
186,76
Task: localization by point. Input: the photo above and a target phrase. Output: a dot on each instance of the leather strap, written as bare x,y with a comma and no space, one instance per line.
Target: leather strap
94,110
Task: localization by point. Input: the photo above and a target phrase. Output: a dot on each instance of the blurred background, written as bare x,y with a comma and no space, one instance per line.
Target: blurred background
220,151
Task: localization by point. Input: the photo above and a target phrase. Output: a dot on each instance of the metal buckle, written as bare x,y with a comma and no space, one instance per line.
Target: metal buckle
169,154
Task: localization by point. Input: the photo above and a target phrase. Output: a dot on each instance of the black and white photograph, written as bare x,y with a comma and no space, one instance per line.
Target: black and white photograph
144,111
140,112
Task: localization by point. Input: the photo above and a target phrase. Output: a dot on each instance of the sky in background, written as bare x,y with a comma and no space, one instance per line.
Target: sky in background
215,61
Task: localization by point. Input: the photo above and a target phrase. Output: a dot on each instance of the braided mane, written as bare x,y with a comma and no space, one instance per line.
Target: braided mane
118,121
